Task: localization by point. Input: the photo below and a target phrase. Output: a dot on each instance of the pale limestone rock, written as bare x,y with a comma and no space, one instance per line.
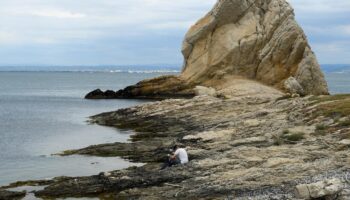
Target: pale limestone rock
344,119
125,178
303,129
252,123
107,174
211,135
253,39
293,86
319,189
345,142
251,140
295,95
275,162
238,87
205,91
302,192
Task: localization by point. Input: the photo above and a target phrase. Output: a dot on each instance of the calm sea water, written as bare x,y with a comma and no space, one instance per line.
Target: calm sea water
338,82
42,113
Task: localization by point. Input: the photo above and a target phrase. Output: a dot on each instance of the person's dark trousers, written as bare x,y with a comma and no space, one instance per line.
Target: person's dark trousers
171,162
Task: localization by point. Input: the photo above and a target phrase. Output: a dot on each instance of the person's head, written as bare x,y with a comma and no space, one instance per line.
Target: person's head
175,147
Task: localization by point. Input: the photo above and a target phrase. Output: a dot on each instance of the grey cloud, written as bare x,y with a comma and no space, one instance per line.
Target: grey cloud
114,29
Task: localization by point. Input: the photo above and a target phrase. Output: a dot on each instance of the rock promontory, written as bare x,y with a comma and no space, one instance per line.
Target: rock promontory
252,39
246,139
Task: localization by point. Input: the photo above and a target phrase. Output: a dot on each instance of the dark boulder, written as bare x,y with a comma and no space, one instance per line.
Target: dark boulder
99,94
110,94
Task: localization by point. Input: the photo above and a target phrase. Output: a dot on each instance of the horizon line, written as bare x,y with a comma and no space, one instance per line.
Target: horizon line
126,65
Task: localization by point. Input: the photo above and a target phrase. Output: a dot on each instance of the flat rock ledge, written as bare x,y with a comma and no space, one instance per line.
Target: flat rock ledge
245,147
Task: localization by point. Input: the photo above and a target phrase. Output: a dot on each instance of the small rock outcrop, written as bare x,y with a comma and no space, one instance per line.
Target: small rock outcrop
205,91
293,86
99,94
158,88
321,189
253,39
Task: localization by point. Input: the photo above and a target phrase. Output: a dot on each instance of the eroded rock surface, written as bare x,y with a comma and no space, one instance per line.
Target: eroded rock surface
326,189
249,146
252,39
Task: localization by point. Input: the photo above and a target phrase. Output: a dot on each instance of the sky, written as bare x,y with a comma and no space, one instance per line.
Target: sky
139,32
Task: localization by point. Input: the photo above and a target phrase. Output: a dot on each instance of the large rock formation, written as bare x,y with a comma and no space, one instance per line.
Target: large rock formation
253,39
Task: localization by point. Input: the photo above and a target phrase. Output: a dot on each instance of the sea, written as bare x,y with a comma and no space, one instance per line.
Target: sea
44,112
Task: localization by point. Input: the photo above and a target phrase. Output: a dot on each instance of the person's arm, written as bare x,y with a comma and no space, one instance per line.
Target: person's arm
175,154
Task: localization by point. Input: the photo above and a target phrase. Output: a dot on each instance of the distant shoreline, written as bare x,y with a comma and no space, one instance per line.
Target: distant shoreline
166,68
97,71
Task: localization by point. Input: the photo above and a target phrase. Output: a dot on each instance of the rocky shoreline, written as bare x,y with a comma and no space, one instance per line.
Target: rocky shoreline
242,107
253,146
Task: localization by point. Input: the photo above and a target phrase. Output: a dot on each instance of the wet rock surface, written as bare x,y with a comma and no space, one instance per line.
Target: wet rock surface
10,195
245,147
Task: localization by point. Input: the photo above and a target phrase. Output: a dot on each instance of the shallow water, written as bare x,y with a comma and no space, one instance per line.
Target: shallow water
42,113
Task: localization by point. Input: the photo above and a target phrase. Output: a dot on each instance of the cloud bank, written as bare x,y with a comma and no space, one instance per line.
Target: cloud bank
101,32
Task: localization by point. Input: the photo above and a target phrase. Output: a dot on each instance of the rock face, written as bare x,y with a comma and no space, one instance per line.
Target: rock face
253,39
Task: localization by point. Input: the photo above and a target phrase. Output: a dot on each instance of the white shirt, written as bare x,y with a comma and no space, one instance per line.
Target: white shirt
181,154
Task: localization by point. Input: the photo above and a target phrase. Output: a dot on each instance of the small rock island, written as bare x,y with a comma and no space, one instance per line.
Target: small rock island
251,106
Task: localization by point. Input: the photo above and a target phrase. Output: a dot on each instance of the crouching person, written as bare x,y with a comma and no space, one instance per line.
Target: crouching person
178,156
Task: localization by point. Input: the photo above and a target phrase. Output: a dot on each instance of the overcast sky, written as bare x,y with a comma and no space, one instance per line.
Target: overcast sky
102,32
